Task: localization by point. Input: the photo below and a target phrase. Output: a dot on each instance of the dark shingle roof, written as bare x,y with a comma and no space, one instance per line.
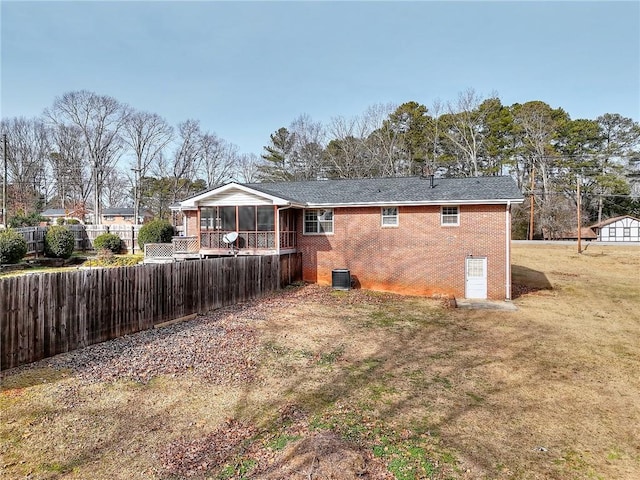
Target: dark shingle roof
400,190
53,212
117,211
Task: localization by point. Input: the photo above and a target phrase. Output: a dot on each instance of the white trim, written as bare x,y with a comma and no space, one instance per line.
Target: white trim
442,214
304,222
396,217
193,202
414,203
485,276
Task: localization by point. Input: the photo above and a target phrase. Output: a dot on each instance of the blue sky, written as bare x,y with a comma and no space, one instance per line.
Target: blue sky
245,69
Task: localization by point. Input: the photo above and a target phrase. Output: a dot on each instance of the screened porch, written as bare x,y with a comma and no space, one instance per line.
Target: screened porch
256,226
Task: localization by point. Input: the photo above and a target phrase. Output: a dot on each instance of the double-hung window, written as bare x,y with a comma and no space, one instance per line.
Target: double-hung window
318,221
390,216
450,216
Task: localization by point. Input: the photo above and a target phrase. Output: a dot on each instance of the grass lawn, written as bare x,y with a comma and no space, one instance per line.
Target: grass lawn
367,385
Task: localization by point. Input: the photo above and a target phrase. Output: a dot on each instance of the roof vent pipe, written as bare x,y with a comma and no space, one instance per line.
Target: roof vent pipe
431,181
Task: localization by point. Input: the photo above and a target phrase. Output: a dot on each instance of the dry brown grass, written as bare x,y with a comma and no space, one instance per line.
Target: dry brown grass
365,385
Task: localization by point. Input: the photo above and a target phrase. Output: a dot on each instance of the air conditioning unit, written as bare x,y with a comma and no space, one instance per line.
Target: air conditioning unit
341,279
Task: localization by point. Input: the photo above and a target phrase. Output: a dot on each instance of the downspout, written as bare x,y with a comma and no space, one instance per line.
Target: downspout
278,210
507,236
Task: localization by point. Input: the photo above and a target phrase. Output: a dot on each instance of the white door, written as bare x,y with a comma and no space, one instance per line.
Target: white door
476,278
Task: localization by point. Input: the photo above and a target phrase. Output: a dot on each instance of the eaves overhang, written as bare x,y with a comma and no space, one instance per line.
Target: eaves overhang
194,203
501,201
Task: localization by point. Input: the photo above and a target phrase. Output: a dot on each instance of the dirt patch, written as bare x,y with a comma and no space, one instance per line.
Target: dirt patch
324,455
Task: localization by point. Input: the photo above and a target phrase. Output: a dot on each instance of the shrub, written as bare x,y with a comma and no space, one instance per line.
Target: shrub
31,220
13,246
58,242
156,231
108,241
59,221
105,258
72,221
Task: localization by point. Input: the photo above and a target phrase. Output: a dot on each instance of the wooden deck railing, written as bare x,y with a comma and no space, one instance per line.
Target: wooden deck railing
185,244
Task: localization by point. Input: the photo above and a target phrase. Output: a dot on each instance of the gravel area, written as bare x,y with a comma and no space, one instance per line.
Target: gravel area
221,347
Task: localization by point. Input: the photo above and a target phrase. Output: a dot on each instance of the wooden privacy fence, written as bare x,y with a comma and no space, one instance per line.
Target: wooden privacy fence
46,314
127,233
84,236
34,236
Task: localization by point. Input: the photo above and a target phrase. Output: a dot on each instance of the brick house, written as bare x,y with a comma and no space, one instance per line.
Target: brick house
123,216
414,235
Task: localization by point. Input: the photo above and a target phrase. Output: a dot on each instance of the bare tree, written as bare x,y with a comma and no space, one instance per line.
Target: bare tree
247,168
308,143
27,154
116,189
183,166
433,136
71,172
465,130
101,119
381,141
345,156
218,158
147,134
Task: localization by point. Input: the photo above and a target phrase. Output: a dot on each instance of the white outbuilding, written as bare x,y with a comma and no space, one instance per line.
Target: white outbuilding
624,228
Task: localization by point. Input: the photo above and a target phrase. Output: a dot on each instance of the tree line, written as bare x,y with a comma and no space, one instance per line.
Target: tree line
87,151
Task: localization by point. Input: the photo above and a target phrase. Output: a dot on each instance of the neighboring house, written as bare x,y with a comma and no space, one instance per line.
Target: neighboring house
53,214
624,228
586,233
123,216
411,235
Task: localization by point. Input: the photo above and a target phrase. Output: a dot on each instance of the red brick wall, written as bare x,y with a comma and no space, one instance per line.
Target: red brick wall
193,227
417,257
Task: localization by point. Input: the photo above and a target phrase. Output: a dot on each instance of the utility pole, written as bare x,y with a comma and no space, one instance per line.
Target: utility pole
136,194
4,181
578,180
531,202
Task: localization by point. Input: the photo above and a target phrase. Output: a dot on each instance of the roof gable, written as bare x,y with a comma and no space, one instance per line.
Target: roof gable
232,194
611,220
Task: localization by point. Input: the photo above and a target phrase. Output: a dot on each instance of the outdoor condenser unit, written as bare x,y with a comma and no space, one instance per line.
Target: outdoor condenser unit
341,279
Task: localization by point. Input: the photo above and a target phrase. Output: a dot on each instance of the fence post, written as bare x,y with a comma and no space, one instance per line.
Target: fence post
133,240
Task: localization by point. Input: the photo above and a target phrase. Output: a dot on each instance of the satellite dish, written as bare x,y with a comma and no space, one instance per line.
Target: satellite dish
230,237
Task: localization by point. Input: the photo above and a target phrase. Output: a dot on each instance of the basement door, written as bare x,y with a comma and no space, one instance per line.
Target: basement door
476,277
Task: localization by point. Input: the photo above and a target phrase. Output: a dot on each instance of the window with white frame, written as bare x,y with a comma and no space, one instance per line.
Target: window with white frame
450,216
390,216
626,231
612,231
318,221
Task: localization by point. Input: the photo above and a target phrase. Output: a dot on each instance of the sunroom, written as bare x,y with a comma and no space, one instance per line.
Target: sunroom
236,220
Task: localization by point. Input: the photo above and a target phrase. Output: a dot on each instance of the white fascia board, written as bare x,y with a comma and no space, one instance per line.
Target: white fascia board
438,202
193,203
180,208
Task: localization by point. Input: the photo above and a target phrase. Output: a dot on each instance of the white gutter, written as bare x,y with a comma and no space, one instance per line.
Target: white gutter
418,203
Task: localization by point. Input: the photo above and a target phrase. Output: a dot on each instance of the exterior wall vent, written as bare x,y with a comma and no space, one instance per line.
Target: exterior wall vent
341,279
